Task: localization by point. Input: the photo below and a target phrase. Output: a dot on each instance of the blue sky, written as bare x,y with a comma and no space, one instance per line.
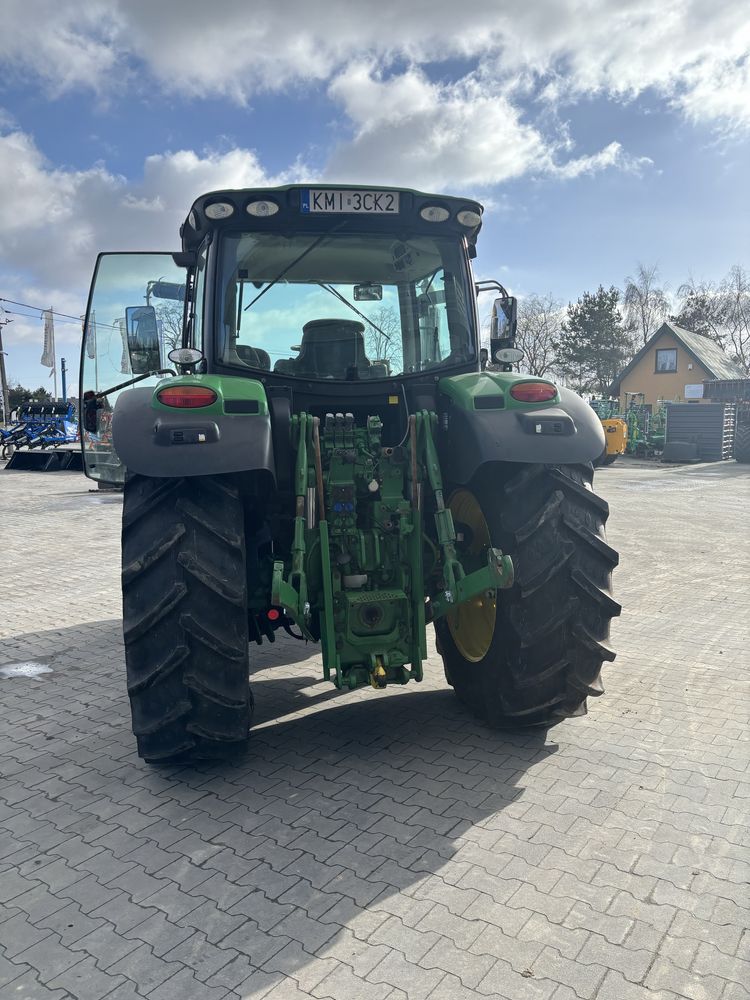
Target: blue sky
597,135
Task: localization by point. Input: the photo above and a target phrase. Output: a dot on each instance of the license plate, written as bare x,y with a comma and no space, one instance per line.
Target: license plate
318,200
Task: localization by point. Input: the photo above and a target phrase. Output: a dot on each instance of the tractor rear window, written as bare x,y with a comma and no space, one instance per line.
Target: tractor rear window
343,306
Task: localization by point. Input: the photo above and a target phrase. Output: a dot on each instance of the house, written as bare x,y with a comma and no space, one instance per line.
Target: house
672,365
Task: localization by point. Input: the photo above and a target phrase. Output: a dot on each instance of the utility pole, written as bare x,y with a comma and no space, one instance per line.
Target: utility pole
4,320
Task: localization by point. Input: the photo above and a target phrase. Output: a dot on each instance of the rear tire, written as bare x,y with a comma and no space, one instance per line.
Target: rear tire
551,628
185,617
609,459
742,443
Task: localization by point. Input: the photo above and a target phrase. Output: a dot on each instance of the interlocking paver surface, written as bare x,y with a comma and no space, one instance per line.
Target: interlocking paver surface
382,845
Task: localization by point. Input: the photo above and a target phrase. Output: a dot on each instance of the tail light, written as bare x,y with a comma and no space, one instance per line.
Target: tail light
534,392
186,396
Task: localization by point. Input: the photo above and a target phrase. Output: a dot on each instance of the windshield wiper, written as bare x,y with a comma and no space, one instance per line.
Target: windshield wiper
287,269
334,291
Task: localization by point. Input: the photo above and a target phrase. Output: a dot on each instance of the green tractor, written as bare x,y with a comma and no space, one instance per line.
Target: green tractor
297,406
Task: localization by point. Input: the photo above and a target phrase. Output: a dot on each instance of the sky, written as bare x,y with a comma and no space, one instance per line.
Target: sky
597,134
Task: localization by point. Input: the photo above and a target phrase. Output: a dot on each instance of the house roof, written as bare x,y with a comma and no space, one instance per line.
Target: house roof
707,353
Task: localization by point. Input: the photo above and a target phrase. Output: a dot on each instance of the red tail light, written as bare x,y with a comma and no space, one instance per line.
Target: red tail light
533,392
186,396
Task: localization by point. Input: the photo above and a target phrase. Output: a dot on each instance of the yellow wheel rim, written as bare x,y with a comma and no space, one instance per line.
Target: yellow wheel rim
472,624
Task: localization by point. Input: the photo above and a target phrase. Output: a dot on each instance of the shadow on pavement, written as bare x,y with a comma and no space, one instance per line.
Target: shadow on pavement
361,813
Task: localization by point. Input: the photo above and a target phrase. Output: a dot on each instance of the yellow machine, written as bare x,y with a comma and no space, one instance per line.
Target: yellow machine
616,433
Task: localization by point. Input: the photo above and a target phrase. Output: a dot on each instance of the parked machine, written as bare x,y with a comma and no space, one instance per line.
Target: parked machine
39,427
646,425
324,454
615,430
735,391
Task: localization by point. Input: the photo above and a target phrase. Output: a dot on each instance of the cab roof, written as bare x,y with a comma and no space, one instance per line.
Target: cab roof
321,207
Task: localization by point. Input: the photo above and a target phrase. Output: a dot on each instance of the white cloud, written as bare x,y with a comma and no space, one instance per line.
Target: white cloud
718,92
612,155
410,131
53,221
691,52
65,45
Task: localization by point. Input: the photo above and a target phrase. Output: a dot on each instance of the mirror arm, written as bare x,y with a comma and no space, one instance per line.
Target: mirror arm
132,381
90,403
488,286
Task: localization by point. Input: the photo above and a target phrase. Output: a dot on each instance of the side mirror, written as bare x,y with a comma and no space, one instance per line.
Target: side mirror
503,326
143,339
504,318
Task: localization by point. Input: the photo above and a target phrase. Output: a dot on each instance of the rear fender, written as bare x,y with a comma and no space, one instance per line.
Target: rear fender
483,423
233,434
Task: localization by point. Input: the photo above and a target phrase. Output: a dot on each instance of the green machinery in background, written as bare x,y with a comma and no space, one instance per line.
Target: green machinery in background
644,429
646,425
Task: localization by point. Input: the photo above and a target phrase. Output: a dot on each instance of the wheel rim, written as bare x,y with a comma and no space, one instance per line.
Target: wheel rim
472,625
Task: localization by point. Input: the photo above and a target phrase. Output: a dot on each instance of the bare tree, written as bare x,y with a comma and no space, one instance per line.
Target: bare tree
700,309
540,319
645,304
383,337
719,311
734,294
169,315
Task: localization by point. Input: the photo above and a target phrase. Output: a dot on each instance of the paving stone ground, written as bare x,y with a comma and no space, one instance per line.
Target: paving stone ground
382,846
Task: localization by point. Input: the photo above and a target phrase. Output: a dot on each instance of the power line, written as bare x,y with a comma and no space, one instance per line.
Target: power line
66,317
20,315
39,309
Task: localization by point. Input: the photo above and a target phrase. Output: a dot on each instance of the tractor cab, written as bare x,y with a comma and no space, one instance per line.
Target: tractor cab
304,289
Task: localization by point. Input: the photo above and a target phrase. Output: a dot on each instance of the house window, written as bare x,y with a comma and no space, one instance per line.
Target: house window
666,361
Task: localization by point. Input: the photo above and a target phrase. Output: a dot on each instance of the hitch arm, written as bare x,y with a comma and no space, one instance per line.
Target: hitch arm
496,575
292,594
453,571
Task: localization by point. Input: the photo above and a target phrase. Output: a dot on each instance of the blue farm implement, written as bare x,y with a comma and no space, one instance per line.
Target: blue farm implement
36,440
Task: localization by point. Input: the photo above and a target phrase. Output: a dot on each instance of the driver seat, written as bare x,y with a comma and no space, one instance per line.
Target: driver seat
333,348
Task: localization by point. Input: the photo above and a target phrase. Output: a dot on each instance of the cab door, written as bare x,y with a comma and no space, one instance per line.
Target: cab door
133,320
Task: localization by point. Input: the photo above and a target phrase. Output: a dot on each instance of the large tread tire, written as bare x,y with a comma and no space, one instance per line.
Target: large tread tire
185,619
742,443
552,626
